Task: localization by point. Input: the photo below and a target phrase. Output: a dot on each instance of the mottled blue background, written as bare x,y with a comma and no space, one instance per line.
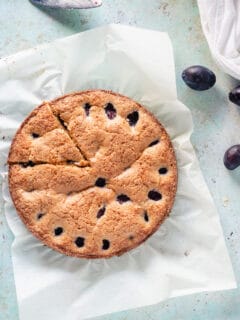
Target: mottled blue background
216,123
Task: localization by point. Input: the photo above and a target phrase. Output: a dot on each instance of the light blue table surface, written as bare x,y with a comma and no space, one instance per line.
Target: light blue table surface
216,123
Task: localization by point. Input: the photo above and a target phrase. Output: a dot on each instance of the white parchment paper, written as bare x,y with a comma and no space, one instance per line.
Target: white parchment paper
186,255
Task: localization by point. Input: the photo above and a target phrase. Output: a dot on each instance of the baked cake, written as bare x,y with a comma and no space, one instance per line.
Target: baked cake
92,174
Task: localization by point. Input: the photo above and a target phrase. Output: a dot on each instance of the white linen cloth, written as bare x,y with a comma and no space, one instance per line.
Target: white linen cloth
221,25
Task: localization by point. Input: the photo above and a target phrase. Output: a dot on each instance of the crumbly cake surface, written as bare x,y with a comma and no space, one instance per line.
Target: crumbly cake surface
92,174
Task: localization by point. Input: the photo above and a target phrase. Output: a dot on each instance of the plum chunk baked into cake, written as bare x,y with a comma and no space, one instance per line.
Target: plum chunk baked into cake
92,174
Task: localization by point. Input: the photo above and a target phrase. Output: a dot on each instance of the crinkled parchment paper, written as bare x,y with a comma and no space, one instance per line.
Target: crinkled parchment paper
186,255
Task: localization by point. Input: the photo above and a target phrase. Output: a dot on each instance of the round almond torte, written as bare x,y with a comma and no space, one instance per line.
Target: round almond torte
92,174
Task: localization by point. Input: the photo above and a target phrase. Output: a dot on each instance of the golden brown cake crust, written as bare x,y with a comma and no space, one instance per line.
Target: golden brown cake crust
92,174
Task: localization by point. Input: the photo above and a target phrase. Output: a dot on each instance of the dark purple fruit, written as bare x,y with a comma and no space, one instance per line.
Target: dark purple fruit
121,198
87,108
234,96
80,242
199,78
133,118
58,231
110,111
154,195
232,157
105,244
101,212
101,182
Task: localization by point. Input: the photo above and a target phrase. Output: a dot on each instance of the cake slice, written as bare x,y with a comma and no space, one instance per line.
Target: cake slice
42,138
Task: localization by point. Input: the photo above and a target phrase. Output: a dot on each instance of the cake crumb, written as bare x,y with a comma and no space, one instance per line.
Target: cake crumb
225,201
